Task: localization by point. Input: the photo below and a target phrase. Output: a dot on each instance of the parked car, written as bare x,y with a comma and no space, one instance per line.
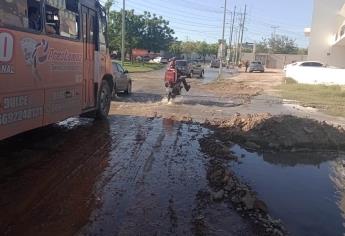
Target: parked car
313,72
197,69
161,60
216,63
185,67
256,66
146,58
122,81
304,64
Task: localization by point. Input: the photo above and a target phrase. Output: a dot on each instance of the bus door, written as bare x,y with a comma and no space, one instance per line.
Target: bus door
89,21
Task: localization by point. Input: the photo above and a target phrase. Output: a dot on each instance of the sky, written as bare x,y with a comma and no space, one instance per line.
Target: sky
203,20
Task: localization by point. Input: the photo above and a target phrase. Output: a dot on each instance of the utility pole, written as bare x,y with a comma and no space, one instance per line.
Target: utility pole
222,42
274,27
232,31
123,32
238,40
243,22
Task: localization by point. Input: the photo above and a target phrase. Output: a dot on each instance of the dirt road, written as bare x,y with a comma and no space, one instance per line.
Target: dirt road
148,170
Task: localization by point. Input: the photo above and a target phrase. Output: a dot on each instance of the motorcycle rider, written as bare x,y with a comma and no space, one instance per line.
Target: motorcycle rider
172,66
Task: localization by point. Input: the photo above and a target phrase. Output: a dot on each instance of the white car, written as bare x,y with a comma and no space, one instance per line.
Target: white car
161,60
304,64
314,72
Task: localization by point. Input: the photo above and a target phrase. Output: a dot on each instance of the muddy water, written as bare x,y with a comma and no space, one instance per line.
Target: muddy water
304,190
155,171
125,176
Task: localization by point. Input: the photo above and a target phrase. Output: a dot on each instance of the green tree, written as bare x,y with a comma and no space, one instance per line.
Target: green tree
203,49
157,34
280,44
303,51
213,49
142,31
134,31
262,47
107,5
189,47
175,48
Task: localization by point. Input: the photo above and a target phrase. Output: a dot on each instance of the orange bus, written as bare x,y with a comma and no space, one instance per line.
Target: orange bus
54,62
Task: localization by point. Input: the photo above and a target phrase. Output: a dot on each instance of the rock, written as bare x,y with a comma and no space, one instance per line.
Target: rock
226,179
273,145
260,205
248,200
230,186
252,145
276,232
218,196
308,131
236,199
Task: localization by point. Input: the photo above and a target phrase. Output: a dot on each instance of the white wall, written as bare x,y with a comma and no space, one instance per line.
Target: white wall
326,22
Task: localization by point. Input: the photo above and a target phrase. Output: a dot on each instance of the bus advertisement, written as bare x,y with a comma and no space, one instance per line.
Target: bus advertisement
54,63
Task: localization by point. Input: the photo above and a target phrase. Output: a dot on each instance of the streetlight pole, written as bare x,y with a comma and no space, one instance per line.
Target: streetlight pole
123,32
222,43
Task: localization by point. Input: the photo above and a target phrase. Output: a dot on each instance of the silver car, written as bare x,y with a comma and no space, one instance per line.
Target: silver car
122,81
197,69
256,66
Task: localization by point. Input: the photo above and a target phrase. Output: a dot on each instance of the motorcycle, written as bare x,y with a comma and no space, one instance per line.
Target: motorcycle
173,84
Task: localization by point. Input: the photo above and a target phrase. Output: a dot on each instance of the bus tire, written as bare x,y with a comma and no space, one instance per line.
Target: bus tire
104,100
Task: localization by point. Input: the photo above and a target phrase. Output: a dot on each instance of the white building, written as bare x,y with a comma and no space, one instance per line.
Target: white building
327,33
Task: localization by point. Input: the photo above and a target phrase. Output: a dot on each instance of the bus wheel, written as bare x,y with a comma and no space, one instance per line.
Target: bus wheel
104,100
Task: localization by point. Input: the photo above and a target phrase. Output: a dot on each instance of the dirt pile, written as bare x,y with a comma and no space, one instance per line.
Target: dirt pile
285,132
226,187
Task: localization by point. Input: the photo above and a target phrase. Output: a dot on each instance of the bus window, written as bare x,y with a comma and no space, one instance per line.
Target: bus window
102,34
62,19
14,13
52,25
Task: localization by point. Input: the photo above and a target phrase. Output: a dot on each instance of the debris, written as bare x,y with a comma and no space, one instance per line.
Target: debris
248,200
218,196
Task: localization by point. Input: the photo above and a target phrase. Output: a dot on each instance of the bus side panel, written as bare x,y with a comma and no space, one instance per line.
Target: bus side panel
40,69
20,112
62,103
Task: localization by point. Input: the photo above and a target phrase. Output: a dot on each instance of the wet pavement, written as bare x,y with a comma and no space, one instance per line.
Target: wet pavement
127,176
304,190
142,172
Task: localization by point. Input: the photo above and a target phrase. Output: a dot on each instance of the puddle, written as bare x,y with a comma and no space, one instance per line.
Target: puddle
308,196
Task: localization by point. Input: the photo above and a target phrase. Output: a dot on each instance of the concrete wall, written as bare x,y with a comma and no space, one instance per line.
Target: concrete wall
325,24
273,61
196,56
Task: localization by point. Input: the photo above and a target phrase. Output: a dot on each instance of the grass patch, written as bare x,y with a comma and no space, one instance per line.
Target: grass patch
289,80
136,67
330,99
